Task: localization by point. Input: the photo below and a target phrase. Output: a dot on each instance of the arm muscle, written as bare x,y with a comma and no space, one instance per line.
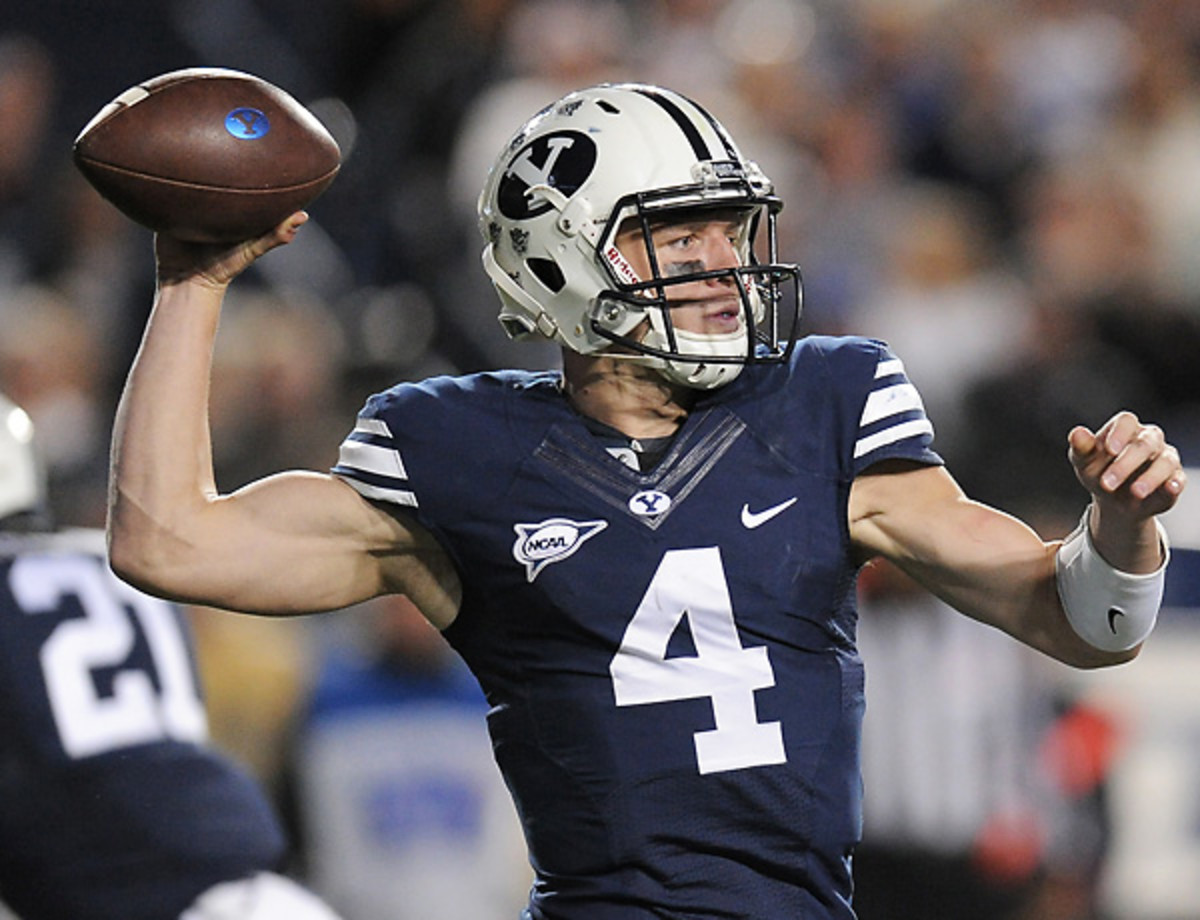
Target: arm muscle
985,563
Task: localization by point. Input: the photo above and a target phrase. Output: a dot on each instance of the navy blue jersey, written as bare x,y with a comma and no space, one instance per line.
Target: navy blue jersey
112,807
676,696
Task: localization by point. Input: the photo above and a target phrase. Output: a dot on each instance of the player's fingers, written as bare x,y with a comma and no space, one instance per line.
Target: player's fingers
1118,431
1091,454
1137,450
1178,481
1164,472
1088,456
280,235
1082,445
287,229
293,223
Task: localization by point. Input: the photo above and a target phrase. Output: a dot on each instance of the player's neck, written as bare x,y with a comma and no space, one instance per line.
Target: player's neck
635,400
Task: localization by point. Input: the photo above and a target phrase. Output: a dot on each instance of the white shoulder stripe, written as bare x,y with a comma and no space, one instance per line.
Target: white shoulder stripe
376,426
372,458
888,367
379,493
891,435
900,397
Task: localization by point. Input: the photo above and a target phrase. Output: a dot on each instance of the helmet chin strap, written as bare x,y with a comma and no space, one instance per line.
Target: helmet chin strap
703,375
696,374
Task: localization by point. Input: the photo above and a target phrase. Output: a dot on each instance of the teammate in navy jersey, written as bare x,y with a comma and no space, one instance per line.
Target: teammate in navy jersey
648,558
113,806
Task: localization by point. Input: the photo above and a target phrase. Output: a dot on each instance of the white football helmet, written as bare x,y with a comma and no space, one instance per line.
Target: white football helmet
22,484
573,176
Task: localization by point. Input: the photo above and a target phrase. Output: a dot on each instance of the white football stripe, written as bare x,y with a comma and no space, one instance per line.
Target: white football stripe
375,426
888,367
891,435
379,493
902,397
372,458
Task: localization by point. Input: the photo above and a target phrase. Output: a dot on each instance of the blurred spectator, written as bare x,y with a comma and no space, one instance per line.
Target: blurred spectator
51,363
773,101
280,358
408,69
1083,236
1154,141
97,262
842,254
1067,62
972,810
1018,416
940,272
274,656
677,46
548,48
1154,799
28,84
941,66
402,811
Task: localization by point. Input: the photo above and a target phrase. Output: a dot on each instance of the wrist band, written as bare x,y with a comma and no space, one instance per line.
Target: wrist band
1111,610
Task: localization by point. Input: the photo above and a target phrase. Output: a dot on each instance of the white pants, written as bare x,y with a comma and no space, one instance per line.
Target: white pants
265,896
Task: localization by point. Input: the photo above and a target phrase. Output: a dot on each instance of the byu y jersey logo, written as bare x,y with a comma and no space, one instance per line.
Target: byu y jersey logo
649,503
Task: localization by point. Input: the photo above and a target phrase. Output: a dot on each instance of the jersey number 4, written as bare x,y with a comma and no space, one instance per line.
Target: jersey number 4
138,710
691,583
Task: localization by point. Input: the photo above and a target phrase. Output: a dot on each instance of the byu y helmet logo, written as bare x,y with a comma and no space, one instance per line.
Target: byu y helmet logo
562,160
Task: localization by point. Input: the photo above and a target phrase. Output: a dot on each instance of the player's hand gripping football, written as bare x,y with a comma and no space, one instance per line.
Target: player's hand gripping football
1128,466
216,264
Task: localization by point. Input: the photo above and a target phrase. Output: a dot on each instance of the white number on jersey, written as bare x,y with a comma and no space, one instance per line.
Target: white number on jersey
136,712
691,583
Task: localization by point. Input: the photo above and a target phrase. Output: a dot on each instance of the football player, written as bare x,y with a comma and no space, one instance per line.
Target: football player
648,558
113,804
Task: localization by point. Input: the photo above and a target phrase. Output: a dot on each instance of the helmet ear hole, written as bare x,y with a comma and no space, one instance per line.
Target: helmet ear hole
549,274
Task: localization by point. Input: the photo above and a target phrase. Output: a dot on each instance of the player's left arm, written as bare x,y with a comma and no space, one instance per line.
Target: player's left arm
995,568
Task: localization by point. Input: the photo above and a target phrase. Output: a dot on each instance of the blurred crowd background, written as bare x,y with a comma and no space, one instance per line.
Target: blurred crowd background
1007,191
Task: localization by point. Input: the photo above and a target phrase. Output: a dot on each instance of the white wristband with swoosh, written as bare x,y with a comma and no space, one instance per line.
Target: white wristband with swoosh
1111,610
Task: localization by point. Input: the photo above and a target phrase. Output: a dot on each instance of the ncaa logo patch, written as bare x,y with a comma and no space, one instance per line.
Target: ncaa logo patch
553,540
247,124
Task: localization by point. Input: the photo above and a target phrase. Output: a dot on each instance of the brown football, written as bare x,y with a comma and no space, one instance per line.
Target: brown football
207,154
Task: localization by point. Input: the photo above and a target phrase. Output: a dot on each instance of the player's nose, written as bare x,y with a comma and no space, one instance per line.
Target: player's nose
720,251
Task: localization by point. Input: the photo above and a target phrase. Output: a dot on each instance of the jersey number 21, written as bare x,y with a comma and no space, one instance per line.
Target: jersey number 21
137,710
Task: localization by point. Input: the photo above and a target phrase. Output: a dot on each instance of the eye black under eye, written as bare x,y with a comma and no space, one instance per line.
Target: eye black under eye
690,267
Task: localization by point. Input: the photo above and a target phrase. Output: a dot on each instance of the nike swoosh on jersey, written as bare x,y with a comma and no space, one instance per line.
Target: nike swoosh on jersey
752,519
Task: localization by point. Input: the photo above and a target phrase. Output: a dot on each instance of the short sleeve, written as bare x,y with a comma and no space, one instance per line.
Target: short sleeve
369,459
892,423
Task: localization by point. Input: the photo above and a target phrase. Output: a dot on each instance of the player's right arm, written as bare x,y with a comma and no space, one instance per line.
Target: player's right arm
294,542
